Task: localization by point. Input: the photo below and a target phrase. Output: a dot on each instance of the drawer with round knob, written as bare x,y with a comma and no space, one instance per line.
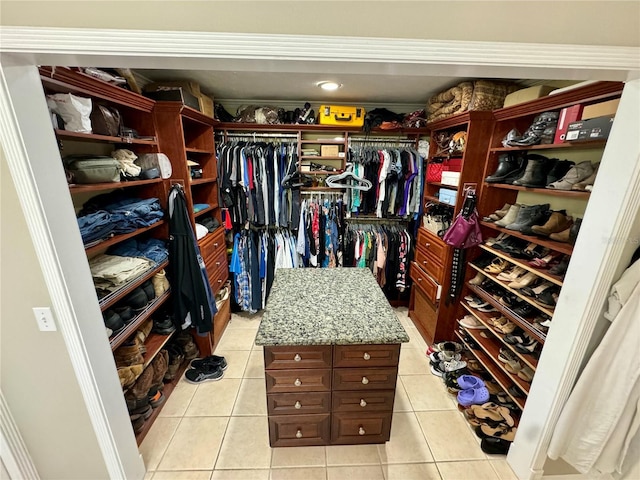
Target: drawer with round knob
373,401
298,404
366,355
356,428
289,357
430,243
303,380
383,378
299,430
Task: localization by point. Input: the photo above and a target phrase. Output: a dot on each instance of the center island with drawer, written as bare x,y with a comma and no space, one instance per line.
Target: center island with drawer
331,349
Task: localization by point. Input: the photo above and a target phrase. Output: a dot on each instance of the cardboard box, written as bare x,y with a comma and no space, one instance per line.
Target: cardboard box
206,105
602,109
329,150
176,94
527,94
567,116
447,196
192,87
451,178
591,129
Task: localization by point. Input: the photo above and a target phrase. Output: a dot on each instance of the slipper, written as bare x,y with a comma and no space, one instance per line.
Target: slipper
469,381
504,432
491,411
437,357
473,396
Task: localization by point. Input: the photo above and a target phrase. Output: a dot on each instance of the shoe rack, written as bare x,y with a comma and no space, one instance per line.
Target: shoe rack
492,197
431,268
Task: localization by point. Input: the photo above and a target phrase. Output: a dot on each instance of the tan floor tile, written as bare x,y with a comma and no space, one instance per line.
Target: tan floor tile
415,339
352,455
179,399
147,476
252,398
298,457
407,443
255,365
440,427
411,471
477,470
258,348
371,472
503,470
236,362
155,443
401,403
246,444
298,473
238,339
214,399
426,392
413,362
195,444
191,475
240,475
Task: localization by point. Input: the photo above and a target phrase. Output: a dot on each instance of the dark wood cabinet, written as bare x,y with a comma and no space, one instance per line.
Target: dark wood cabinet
299,430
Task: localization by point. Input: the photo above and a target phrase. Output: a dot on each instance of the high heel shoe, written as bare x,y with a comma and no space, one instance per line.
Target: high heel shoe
544,262
524,281
497,266
511,275
537,290
498,214
478,279
489,242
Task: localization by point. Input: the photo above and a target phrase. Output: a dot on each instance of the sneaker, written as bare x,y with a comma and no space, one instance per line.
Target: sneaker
437,357
213,360
469,321
164,325
486,309
453,365
156,398
206,373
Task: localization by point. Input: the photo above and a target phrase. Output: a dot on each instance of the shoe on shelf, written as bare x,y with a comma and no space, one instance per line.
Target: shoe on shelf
528,216
506,328
573,231
533,135
469,321
506,355
160,283
490,241
526,374
497,266
559,170
556,223
149,291
164,325
478,279
544,262
561,268
511,275
524,310
562,236
528,346
537,290
510,217
206,373
137,300
513,366
508,299
185,340
498,214
524,281
176,357
535,174
508,163
126,313
156,398
576,174
113,321
548,298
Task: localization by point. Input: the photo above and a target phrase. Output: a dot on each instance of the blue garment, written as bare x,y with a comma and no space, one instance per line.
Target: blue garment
95,226
131,214
152,249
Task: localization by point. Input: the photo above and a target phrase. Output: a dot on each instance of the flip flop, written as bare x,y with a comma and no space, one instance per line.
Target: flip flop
502,431
473,396
491,411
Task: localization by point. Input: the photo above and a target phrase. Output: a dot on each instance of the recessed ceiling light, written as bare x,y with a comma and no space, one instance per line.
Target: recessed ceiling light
330,86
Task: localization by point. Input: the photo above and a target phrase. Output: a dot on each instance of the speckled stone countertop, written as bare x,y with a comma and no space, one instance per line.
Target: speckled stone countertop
328,306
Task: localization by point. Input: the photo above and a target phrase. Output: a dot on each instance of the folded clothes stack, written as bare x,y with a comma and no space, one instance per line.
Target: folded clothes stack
151,249
111,272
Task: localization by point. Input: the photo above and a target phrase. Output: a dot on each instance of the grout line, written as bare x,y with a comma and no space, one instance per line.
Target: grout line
168,444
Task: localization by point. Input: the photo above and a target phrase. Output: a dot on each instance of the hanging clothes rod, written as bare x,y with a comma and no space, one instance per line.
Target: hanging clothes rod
260,135
375,219
382,140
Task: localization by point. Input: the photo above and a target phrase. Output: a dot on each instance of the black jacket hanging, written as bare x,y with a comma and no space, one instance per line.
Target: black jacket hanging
191,293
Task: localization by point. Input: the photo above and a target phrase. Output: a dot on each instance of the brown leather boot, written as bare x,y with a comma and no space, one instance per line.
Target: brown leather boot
557,222
562,236
127,355
141,388
159,364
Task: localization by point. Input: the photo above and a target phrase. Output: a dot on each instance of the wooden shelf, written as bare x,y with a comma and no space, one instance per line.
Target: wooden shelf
94,137
120,238
118,339
197,116
542,191
437,200
199,151
541,273
250,127
154,344
458,120
167,390
323,142
202,181
498,375
484,319
506,311
442,185
513,290
97,187
116,296
205,210
551,244
554,146
492,349
321,172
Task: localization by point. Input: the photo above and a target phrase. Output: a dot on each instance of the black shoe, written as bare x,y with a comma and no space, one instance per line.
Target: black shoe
113,321
507,165
559,170
534,133
125,312
535,175
524,310
164,325
212,360
573,231
548,297
561,268
206,373
148,290
495,446
137,300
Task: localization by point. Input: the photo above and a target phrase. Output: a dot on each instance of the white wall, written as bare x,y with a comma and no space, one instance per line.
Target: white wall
585,22
38,380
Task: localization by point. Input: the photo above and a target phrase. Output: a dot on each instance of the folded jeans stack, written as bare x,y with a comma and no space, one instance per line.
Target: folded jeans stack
152,249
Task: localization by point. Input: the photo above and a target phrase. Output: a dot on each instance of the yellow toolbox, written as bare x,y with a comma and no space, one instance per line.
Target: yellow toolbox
341,115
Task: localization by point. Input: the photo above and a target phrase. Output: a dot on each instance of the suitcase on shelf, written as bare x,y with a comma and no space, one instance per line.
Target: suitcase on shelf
342,115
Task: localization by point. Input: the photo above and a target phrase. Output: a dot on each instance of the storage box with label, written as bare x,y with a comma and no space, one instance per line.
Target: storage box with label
450,178
527,94
567,116
341,115
329,150
591,129
602,109
447,196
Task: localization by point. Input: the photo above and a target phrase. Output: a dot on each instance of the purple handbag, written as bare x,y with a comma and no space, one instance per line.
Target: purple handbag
464,232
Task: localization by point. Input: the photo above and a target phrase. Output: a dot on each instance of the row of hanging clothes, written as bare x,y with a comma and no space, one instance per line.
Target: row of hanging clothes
397,173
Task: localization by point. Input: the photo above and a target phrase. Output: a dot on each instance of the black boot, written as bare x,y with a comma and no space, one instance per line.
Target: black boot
573,232
507,164
517,174
533,135
535,175
559,170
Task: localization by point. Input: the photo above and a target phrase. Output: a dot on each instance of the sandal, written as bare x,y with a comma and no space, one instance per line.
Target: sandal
497,266
513,366
502,431
474,365
526,374
544,262
494,412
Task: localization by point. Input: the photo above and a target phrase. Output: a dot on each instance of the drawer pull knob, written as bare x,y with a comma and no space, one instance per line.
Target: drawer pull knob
427,244
218,264
215,245
363,403
419,279
298,406
299,434
220,281
297,383
361,431
297,358
366,356
424,261
365,380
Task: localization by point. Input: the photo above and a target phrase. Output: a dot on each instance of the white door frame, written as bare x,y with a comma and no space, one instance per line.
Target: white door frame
30,147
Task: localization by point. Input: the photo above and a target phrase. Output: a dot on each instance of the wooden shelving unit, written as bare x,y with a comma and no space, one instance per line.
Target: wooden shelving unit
565,248
553,146
93,137
126,289
541,273
542,191
98,187
443,185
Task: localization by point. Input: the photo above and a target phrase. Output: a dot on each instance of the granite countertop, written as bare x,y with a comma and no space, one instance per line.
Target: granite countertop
329,306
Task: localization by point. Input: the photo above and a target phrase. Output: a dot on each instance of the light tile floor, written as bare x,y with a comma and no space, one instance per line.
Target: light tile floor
218,430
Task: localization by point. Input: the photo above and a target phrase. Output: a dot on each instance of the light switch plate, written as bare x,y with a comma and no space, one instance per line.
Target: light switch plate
44,317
